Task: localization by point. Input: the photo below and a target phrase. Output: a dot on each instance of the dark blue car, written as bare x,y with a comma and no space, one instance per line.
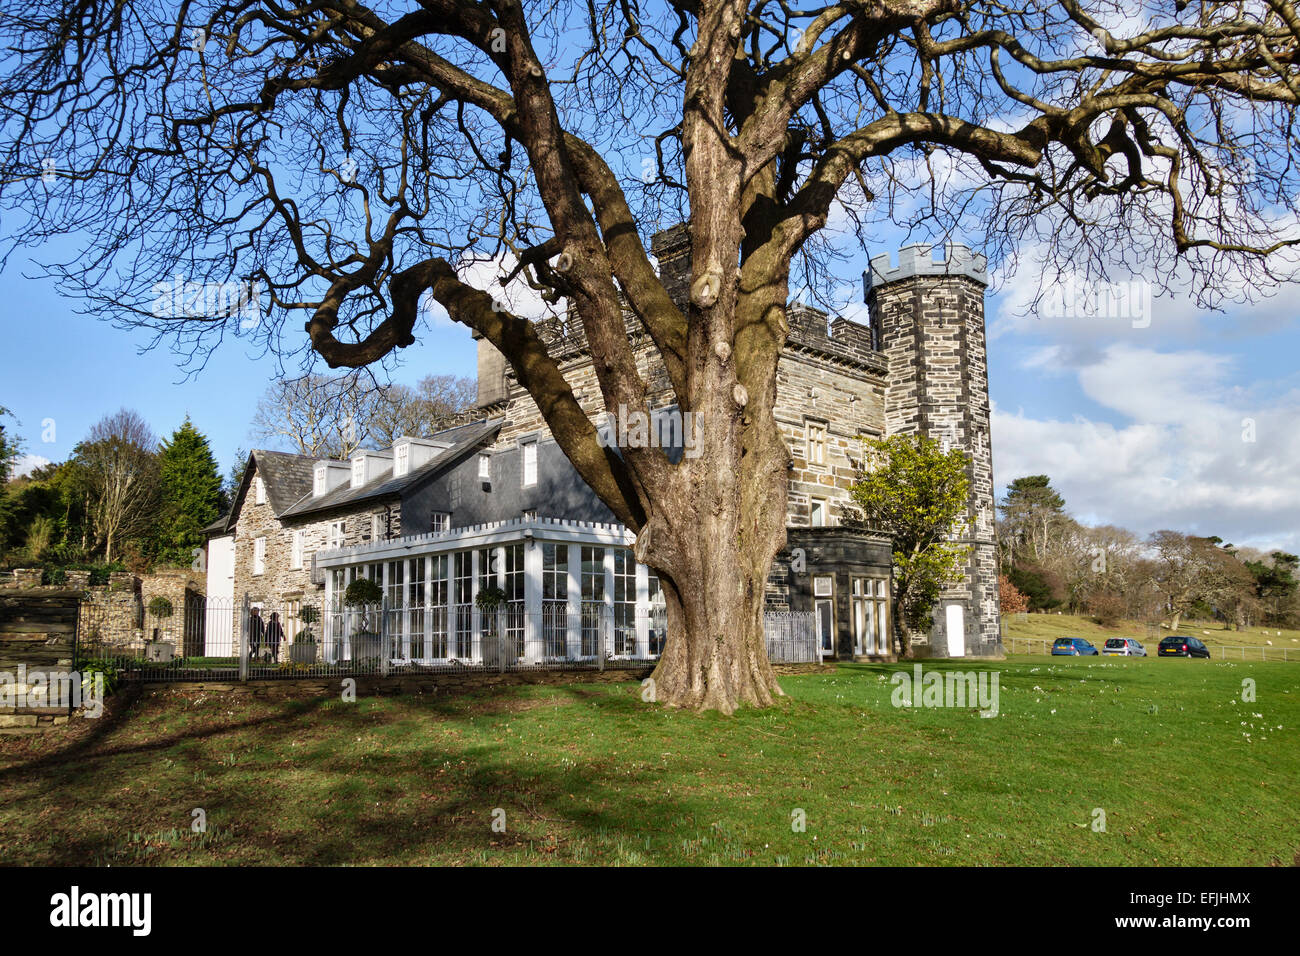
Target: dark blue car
1072,647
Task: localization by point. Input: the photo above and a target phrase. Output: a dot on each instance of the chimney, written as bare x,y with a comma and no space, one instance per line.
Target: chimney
491,373
672,247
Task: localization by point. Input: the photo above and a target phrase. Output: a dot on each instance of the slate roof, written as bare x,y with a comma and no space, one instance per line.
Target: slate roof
464,438
218,526
287,477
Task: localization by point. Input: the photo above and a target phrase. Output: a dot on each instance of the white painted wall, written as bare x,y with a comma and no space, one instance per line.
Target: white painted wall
221,612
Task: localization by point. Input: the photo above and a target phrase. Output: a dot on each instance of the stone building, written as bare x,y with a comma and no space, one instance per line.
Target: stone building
435,519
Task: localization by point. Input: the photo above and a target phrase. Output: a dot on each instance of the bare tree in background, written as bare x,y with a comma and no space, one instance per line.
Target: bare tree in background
121,473
331,416
436,402
346,161
323,416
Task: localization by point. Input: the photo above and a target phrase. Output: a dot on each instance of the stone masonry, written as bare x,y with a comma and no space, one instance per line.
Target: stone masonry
919,367
928,316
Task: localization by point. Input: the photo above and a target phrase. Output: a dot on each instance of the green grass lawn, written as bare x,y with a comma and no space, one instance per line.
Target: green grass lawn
1269,641
1185,771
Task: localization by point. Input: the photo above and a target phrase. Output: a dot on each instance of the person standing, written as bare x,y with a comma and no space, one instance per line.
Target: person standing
256,633
274,635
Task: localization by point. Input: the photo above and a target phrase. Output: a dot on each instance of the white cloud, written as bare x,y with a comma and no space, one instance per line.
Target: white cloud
1192,451
486,274
26,464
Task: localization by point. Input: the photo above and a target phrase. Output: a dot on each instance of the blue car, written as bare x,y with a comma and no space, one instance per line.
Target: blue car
1072,647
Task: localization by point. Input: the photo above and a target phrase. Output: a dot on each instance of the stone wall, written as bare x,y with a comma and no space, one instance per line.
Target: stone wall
37,627
113,614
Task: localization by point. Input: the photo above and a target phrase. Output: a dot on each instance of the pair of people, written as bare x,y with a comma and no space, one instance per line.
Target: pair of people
264,636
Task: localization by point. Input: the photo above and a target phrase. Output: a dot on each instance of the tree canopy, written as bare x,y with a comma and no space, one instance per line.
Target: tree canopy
190,493
248,169
916,492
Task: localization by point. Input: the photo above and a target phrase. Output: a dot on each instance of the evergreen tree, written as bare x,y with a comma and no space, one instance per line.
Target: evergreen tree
1033,514
191,493
10,447
234,480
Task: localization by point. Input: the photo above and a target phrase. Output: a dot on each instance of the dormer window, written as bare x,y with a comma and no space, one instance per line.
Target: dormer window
358,472
320,482
401,459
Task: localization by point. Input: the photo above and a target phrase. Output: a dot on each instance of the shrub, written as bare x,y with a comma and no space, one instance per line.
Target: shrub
1010,598
88,670
1106,608
160,607
363,591
489,598
1037,586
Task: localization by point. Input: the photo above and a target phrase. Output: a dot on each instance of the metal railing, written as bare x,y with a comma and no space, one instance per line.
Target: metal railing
1260,652
792,637
241,640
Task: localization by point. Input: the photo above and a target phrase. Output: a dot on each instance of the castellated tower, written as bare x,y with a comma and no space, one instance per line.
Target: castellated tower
927,317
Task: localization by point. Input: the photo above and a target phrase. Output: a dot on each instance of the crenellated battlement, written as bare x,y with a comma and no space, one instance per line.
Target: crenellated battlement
838,338
918,260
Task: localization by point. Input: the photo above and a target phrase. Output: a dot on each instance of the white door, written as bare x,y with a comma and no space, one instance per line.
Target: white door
956,631
826,626
219,618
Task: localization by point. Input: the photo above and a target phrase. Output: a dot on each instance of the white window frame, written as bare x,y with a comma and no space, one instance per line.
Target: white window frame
828,580
295,552
259,490
358,472
440,521
401,459
816,435
259,555
321,480
815,504
527,449
338,533
485,467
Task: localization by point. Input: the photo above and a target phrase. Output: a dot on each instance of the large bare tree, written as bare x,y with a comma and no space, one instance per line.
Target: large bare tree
118,459
324,416
345,160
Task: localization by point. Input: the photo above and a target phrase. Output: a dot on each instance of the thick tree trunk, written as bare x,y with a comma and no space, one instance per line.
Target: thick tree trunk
716,655
712,539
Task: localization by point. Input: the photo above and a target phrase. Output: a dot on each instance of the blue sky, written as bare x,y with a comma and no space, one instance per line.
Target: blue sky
74,369
1138,426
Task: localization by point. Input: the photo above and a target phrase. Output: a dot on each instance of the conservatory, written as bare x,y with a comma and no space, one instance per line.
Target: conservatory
554,592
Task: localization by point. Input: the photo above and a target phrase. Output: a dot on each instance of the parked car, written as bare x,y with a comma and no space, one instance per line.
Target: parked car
1123,647
1072,647
1182,645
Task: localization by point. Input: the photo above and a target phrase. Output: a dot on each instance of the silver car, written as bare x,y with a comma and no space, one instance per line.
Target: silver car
1123,647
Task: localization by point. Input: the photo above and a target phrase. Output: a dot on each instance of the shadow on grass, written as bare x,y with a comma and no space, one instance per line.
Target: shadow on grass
409,780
